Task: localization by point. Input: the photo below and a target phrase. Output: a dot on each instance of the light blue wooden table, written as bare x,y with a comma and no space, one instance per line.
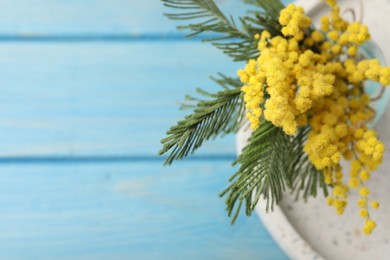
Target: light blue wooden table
87,90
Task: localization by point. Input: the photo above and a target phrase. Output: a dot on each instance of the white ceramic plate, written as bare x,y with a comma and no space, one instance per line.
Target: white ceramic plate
313,230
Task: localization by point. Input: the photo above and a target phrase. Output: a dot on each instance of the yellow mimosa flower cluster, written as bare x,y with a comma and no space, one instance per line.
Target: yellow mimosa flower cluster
293,20
315,78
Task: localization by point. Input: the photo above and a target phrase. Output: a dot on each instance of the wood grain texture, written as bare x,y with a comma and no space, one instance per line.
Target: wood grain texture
108,99
103,19
103,81
123,211
106,17
100,98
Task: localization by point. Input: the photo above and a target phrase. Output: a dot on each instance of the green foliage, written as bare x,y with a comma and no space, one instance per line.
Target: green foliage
237,41
303,176
219,114
271,163
272,7
268,16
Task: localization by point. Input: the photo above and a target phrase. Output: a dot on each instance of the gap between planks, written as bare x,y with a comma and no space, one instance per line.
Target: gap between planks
103,37
64,159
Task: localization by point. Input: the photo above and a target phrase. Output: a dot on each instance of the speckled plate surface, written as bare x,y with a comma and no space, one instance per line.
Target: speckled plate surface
313,230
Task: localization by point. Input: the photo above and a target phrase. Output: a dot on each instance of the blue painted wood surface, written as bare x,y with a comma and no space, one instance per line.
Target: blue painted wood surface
81,115
123,211
94,98
89,17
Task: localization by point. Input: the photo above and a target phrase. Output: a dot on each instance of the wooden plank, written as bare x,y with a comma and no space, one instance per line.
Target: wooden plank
98,17
124,211
100,98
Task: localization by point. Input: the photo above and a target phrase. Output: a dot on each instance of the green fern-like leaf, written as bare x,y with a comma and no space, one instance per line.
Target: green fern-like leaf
260,169
213,20
237,41
271,164
271,7
303,176
219,114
